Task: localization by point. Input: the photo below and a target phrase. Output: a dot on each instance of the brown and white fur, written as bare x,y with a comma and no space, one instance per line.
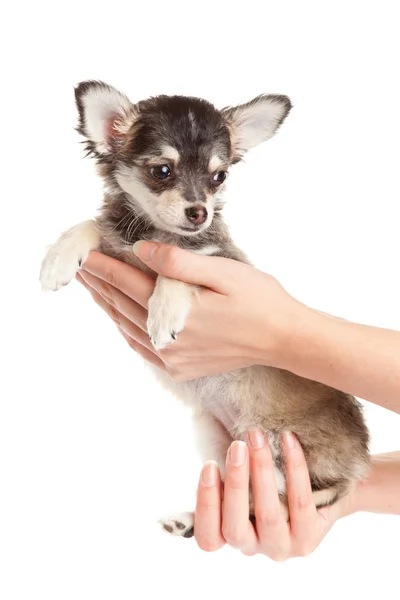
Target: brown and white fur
164,162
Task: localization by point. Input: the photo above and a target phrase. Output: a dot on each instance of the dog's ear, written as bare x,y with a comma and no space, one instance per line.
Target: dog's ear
256,121
105,116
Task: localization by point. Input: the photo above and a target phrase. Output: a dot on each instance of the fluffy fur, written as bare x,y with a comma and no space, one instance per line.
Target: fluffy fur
164,160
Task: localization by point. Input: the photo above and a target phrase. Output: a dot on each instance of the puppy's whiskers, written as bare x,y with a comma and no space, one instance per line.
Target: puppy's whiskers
119,224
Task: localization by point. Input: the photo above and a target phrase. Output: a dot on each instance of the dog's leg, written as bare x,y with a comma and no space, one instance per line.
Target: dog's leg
67,254
212,442
212,439
168,309
170,305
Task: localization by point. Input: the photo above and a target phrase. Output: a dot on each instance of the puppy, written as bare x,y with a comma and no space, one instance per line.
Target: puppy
164,162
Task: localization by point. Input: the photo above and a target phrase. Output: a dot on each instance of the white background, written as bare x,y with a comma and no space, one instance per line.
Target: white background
91,451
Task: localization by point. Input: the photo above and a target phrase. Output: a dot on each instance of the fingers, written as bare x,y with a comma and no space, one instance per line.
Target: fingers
145,353
120,301
303,513
130,281
208,515
276,538
271,525
209,271
236,527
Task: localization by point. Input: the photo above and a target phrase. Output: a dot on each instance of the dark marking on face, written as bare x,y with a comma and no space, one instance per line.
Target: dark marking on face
192,127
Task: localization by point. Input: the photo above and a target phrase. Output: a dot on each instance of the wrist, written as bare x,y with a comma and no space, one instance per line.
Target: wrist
380,491
296,328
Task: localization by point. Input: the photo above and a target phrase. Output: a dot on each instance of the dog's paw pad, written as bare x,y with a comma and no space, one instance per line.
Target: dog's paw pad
179,525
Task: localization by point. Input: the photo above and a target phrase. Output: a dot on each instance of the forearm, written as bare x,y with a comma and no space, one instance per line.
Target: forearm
380,493
361,360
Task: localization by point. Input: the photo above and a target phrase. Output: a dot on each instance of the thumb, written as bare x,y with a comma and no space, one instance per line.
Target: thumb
212,272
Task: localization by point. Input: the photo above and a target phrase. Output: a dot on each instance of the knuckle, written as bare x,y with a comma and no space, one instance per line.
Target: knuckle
170,259
303,502
234,481
268,518
105,292
263,461
208,545
278,556
114,314
208,503
276,550
112,278
234,536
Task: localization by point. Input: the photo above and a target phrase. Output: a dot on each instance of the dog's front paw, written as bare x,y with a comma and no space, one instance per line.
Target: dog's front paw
180,524
163,324
66,256
168,309
58,268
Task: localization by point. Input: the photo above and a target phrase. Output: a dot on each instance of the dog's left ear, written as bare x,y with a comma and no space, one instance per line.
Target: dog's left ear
256,121
105,116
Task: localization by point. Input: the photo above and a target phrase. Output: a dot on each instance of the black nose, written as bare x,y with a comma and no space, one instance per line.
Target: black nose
196,214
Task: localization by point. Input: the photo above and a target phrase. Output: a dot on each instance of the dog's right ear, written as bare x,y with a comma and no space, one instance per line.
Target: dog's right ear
105,116
256,121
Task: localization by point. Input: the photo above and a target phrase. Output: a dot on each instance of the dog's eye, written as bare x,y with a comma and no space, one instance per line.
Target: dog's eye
219,177
161,172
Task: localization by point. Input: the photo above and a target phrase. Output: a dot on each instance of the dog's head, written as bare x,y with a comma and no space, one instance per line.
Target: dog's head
171,154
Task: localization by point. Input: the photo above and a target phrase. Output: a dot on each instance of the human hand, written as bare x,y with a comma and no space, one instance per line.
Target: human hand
241,316
222,514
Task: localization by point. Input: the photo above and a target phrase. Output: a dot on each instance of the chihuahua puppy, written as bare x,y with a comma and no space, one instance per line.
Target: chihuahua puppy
164,162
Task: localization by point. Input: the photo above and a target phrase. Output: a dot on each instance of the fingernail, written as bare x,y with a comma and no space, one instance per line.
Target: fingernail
290,439
237,454
144,250
210,474
256,439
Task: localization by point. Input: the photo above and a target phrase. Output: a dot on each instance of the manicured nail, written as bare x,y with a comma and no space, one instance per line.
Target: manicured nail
290,440
209,475
256,439
144,250
237,454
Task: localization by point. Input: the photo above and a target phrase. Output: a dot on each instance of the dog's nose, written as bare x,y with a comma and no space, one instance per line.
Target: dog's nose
196,214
